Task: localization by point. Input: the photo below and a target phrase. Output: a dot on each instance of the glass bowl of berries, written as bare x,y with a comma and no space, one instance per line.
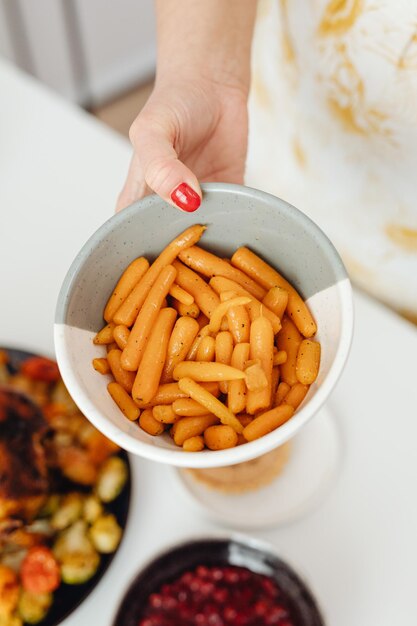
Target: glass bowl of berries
218,582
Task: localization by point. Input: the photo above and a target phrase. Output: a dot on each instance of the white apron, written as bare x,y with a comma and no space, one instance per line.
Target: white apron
333,130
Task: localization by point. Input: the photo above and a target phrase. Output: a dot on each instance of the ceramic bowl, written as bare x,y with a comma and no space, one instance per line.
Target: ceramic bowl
235,216
236,551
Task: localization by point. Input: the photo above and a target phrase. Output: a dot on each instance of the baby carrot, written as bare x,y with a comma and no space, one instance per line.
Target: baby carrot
256,268
132,354
204,296
129,310
128,280
151,365
211,265
262,348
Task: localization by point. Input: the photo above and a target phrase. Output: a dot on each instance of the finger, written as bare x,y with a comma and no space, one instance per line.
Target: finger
163,172
135,186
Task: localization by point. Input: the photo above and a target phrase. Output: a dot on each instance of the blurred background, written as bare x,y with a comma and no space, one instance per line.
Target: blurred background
99,54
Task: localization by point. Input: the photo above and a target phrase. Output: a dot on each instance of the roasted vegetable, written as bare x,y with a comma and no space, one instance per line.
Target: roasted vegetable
40,571
68,512
10,620
112,478
92,509
105,534
50,506
76,554
33,607
9,591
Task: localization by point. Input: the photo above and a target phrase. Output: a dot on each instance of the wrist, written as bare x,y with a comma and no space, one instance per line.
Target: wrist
227,75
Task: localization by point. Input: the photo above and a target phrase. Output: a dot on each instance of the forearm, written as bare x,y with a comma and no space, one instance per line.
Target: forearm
205,39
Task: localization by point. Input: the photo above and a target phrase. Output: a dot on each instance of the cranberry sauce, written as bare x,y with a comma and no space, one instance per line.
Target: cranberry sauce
218,596
213,582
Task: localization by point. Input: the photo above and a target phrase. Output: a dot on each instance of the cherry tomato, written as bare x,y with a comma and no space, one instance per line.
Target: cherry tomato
40,571
41,368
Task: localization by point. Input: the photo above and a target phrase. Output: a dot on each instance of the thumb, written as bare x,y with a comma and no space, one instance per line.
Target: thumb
163,172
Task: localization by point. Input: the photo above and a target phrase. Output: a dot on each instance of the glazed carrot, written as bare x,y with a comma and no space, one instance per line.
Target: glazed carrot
125,379
164,413
204,296
239,323
280,357
193,444
129,310
188,427
149,424
101,365
123,401
308,361
182,296
220,437
121,335
128,280
255,377
105,335
281,392
261,347
220,284
296,395
186,407
224,325
192,353
206,349
154,355
169,392
212,404
180,342
236,397
276,299
202,320
274,384
245,419
264,274
211,265
222,309
223,353
267,422
132,354
205,372
289,340
186,310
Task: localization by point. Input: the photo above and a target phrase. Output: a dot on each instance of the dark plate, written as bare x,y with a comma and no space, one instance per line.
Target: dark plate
68,597
173,563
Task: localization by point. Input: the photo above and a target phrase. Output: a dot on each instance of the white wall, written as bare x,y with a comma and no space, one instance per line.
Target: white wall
87,50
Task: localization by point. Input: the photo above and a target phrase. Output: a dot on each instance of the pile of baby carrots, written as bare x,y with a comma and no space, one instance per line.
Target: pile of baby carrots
219,351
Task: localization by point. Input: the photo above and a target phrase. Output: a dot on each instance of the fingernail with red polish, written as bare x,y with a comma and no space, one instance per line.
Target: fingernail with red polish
186,198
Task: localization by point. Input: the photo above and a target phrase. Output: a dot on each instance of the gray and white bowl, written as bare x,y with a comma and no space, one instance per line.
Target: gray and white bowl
235,216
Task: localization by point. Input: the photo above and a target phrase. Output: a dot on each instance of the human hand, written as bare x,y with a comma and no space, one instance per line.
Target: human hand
187,131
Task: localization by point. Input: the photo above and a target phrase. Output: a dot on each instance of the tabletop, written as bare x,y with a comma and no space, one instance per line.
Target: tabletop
61,171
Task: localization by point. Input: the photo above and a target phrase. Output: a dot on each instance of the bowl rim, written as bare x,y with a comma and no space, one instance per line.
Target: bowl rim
204,459
222,536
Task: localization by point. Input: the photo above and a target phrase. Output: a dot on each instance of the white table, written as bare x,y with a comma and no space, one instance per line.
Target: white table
60,173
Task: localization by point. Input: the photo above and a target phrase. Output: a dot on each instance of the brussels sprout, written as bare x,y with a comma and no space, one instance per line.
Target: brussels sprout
105,534
69,511
76,554
33,607
112,478
92,509
78,567
72,539
50,506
